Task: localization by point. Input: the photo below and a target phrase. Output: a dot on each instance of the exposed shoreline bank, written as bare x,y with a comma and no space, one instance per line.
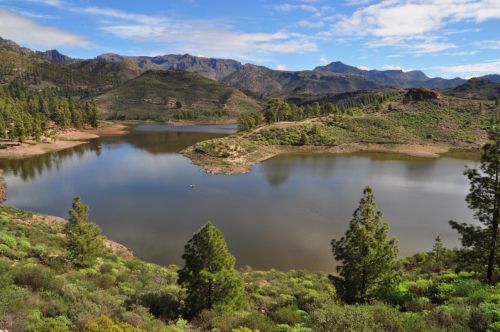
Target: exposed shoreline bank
63,140
244,163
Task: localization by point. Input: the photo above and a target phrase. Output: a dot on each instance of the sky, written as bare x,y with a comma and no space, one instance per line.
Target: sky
446,38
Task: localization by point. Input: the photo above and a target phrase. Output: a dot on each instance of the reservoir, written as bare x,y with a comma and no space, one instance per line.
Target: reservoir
282,214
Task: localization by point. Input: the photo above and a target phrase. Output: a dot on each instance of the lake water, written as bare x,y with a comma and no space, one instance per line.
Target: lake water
281,215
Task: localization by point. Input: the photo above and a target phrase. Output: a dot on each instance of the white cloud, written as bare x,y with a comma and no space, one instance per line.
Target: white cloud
463,53
395,22
489,44
311,24
363,67
29,33
286,7
470,70
194,36
324,60
207,37
281,67
392,67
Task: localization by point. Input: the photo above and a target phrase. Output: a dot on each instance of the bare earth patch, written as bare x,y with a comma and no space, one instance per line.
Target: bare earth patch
64,140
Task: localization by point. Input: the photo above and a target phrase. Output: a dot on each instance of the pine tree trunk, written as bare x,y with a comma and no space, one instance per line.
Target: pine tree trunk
494,224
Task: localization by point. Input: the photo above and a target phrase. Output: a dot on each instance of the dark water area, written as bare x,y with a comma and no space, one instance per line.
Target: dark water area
281,215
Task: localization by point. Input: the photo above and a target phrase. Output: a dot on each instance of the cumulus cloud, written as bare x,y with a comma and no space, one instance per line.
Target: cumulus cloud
281,67
29,33
395,22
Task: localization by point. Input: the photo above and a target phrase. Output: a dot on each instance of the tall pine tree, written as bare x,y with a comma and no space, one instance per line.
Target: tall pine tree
484,200
368,257
85,242
209,275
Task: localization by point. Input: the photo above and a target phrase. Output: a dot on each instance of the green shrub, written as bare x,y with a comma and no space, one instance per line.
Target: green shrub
58,324
8,240
289,315
36,277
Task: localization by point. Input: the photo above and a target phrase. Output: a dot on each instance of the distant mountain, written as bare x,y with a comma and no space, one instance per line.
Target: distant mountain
165,95
265,82
54,56
209,67
492,77
477,88
92,77
414,78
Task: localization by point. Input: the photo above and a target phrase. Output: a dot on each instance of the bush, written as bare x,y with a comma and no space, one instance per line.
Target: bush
58,324
8,240
162,305
290,315
106,324
36,277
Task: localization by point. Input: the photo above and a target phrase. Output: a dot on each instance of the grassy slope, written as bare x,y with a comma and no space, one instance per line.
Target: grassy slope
154,94
38,283
423,126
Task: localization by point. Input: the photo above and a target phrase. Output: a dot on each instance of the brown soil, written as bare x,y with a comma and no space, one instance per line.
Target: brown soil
64,140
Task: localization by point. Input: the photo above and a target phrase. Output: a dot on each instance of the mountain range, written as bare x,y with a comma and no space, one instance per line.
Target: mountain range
98,76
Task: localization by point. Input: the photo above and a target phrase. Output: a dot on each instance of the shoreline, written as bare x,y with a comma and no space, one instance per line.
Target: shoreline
244,163
64,140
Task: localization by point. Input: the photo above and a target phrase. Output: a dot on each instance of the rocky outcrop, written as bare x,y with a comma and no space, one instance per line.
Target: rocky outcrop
420,94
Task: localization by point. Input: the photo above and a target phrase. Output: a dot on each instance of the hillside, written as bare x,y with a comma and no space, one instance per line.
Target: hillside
262,81
39,70
477,88
416,121
42,290
166,95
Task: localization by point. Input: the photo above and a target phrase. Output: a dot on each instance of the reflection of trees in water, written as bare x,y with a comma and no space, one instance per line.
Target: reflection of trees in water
30,168
165,142
279,169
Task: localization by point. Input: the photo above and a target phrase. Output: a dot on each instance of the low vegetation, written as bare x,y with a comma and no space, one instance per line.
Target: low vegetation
174,95
380,121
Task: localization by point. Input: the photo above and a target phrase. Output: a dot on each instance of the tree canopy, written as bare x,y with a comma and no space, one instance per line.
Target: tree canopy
209,274
85,242
484,199
368,257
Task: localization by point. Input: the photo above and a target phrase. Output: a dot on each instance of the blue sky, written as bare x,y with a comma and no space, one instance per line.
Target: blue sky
445,38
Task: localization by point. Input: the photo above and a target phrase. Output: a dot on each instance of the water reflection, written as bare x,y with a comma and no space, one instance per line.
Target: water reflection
282,214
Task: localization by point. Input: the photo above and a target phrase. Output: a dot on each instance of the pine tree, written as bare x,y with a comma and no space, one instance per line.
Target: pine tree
209,275
438,249
368,257
85,242
484,200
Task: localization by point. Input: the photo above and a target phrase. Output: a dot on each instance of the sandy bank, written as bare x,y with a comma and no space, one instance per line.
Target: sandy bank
63,140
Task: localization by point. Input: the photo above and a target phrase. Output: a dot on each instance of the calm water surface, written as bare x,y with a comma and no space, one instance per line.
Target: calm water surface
281,215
